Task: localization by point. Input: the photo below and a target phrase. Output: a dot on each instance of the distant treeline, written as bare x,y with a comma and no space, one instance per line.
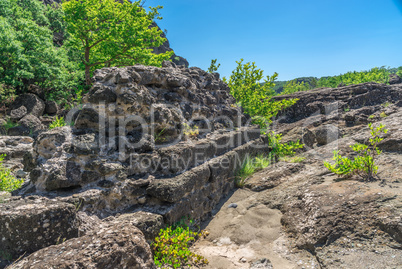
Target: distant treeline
380,75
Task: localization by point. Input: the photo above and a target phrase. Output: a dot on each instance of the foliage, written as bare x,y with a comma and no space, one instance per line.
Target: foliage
380,75
253,96
293,86
399,72
7,94
9,124
213,67
249,167
363,165
8,182
282,149
27,52
113,33
57,122
171,247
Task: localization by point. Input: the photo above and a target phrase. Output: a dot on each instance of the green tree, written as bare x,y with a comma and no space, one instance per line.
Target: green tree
113,33
253,96
213,67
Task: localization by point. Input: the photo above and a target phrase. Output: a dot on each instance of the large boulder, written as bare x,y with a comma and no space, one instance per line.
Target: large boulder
19,113
30,224
33,104
112,245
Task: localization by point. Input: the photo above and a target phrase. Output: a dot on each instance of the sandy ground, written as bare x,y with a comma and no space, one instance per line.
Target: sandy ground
241,236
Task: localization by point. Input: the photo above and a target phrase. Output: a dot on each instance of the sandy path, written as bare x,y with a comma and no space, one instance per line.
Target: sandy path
239,236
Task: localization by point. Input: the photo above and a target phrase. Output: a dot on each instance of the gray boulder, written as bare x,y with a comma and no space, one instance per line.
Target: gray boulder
33,104
51,108
112,245
28,125
27,225
19,113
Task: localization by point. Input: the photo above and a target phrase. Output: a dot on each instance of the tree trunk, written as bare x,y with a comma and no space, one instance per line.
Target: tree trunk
87,75
87,68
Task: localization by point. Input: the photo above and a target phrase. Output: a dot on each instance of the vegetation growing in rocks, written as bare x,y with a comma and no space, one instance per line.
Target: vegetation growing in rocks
171,247
8,182
213,67
57,122
284,151
250,166
253,96
363,165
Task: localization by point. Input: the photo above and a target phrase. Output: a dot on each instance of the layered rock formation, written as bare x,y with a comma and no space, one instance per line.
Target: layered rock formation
152,144
297,214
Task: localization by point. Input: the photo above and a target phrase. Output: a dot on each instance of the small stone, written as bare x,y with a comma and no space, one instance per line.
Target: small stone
232,205
243,260
21,174
142,200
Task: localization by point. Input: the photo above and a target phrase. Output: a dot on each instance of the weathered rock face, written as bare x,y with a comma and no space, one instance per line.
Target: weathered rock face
15,147
162,137
326,101
27,225
112,245
324,221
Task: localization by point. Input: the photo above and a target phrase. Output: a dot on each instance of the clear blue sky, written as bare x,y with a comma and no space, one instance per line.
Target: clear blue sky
292,37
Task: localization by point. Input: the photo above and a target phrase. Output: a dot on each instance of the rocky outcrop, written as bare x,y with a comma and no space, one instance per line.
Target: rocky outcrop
297,214
27,225
112,245
154,143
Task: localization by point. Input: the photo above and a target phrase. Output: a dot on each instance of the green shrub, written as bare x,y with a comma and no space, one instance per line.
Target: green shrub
171,247
363,165
213,67
57,122
282,149
8,182
256,97
399,72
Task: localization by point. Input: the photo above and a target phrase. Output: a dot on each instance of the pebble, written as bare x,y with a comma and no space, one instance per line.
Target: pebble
232,205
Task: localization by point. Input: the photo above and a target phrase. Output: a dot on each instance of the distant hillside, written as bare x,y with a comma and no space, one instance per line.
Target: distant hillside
344,79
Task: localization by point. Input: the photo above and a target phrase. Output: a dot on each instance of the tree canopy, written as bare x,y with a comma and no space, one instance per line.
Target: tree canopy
27,52
112,33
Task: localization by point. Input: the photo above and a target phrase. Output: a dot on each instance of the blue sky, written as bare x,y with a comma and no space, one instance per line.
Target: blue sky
292,37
